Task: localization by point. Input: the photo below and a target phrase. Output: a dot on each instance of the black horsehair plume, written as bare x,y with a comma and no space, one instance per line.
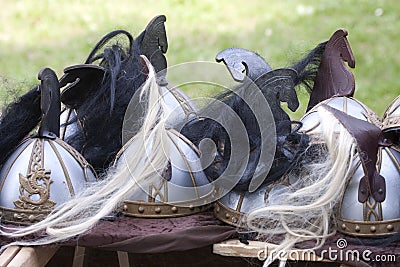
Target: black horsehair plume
18,120
101,118
307,67
290,145
101,101
101,113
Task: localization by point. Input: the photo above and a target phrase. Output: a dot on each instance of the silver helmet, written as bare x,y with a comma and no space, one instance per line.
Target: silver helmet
391,121
311,123
370,205
235,205
43,171
372,217
183,188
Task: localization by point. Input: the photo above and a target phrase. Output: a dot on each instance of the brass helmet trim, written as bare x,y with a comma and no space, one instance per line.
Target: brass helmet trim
369,228
228,215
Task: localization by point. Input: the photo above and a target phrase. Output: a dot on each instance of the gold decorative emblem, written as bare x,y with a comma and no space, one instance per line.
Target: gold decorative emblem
369,210
34,190
159,190
35,183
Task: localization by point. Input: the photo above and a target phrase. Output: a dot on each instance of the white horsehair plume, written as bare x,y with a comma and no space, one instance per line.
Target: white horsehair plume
142,165
306,212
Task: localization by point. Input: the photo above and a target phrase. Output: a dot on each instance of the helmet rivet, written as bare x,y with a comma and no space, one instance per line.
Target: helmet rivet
31,218
125,208
217,209
174,209
373,229
157,210
16,216
390,227
343,226
234,219
380,191
191,207
357,228
227,215
141,209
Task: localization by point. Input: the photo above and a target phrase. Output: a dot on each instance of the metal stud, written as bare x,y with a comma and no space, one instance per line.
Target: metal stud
357,228
390,227
217,209
141,209
31,218
157,210
373,229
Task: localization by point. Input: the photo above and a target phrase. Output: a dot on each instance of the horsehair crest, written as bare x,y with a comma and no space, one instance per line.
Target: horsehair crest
305,214
85,210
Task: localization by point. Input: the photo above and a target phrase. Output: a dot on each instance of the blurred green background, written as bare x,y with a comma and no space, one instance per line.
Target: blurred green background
34,34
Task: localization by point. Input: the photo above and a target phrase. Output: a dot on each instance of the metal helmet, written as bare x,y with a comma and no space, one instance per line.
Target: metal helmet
353,107
370,205
180,107
183,188
43,171
235,205
372,217
391,121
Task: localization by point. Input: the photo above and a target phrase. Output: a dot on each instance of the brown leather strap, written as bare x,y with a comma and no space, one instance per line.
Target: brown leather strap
368,137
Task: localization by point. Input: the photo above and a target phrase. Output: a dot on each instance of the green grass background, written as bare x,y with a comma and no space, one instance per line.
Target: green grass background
56,34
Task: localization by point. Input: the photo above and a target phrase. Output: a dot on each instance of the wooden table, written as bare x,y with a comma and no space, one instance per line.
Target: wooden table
15,256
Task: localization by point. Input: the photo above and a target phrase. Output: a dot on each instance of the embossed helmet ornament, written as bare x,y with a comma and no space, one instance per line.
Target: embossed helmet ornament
43,171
